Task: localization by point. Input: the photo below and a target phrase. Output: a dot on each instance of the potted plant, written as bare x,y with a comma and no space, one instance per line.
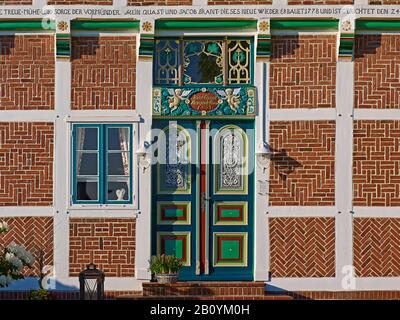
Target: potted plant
41,294
165,268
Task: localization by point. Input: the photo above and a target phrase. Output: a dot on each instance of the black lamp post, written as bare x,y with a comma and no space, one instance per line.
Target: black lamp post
91,283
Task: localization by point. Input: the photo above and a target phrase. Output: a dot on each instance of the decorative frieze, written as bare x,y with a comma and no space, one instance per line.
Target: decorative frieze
202,101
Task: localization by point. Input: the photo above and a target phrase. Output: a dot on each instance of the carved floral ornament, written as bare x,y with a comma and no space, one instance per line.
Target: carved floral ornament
62,26
263,26
346,25
147,26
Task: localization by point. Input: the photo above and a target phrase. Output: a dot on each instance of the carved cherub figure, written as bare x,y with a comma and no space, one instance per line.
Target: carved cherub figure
176,96
231,97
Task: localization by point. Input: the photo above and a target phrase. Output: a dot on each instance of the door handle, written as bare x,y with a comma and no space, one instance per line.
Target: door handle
203,200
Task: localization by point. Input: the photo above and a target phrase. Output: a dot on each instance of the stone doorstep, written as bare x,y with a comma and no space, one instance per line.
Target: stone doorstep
258,297
225,289
206,284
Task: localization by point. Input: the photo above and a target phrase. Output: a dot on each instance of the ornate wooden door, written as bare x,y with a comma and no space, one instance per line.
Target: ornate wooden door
203,197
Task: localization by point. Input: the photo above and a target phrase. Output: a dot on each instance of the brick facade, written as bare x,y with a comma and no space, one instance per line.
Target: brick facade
103,72
160,3
302,173
26,163
109,243
376,247
303,72
35,234
376,71
376,155
302,247
27,72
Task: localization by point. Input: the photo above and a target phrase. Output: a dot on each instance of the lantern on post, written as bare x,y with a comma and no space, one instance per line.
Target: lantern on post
91,283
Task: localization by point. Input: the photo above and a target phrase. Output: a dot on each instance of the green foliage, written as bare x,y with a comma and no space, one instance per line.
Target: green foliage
41,294
162,264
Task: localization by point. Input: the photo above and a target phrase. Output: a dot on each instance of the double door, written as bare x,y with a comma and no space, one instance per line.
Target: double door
203,197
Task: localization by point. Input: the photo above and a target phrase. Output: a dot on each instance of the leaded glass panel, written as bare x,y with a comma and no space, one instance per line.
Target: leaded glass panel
203,62
167,62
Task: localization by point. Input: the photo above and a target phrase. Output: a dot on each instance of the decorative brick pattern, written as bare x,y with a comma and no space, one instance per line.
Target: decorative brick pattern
376,170
103,72
35,234
376,71
312,2
71,2
302,172
27,72
238,2
26,163
376,244
302,247
109,243
159,3
303,71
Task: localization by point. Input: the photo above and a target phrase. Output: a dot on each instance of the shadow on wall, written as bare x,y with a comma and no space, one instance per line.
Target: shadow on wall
284,46
366,44
32,283
84,46
276,291
6,44
283,163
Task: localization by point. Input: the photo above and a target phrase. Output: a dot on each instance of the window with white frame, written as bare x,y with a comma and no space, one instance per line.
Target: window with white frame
101,163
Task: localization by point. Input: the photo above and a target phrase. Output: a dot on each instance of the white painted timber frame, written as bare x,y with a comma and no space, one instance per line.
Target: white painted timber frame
62,117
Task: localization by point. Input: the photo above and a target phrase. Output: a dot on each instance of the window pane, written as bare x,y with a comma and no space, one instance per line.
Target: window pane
166,62
239,61
118,190
203,62
86,138
118,163
87,190
86,163
118,139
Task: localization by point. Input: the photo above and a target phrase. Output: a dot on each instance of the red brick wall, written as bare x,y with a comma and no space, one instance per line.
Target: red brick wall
302,247
376,170
376,71
107,242
159,3
238,2
26,163
376,247
327,2
92,2
303,71
303,171
34,233
27,72
103,72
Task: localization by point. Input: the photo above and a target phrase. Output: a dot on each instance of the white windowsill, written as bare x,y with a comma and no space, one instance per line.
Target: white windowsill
128,211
